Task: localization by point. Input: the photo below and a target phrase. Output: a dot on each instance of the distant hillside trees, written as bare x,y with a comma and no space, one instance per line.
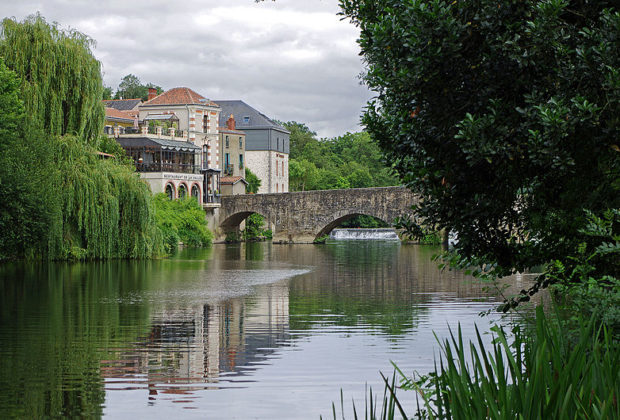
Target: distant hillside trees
352,160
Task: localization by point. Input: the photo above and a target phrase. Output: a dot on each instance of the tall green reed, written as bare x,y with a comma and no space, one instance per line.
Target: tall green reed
537,372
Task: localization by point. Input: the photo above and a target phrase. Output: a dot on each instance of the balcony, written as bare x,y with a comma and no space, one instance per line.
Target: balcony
184,168
162,131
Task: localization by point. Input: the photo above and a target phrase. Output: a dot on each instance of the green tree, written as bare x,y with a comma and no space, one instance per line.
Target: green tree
60,79
59,199
300,136
503,116
24,213
107,93
303,175
252,180
132,88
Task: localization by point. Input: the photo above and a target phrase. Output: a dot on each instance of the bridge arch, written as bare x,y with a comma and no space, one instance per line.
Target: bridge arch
232,223
338,220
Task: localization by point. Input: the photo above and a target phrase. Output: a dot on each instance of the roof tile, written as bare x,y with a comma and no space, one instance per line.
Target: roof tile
180,96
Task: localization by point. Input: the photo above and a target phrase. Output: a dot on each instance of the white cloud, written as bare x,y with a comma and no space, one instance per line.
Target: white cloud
291,59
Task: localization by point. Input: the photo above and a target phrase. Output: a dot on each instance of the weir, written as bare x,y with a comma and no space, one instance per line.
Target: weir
357,234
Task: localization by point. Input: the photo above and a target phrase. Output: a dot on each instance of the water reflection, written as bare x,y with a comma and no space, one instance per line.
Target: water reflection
223,330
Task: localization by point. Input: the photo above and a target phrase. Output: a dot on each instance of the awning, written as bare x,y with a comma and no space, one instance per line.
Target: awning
164,144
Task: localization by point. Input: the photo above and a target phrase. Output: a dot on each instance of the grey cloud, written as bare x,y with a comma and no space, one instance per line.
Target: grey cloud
292,59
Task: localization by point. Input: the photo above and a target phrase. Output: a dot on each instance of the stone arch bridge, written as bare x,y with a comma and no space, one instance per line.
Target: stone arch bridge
301,217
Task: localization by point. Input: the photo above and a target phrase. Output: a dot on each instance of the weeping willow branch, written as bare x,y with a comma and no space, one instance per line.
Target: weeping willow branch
60,79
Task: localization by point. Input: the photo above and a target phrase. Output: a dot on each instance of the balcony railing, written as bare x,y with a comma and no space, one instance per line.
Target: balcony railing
158,130
212,198
184,168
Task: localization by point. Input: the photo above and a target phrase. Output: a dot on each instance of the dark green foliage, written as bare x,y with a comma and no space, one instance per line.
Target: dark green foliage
253,182
107,92
110,146
364,221
587,281
349,161
60,79
101,209
254,228
504,116
59,200
24,186
181,220
132,88
411,231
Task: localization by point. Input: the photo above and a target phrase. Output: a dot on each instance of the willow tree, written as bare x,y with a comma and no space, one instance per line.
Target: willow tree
60,79
59,200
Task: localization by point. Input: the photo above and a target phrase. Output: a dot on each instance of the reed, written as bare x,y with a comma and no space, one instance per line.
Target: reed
538,372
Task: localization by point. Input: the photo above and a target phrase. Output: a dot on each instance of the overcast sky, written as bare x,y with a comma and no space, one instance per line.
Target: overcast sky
291,59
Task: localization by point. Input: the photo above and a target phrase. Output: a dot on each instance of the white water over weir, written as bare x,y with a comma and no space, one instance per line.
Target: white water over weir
381,234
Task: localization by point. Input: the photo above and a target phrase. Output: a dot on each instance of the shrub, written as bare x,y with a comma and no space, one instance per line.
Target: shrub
181,220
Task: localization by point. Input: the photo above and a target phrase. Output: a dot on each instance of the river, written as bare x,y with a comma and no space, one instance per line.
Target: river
233,331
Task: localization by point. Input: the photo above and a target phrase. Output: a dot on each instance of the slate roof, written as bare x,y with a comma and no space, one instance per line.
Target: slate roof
154,141
239,110
179,96
122,104
116,115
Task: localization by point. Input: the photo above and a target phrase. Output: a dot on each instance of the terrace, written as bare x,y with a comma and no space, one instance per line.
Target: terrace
158,154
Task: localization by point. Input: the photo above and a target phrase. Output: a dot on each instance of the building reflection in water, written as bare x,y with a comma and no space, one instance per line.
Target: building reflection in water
195,346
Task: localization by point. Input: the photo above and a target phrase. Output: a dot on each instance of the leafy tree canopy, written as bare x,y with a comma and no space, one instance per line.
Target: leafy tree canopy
349,161
131,88
504,116
60,79
253,181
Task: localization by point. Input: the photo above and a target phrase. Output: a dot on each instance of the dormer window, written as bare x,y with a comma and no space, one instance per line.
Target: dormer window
246,120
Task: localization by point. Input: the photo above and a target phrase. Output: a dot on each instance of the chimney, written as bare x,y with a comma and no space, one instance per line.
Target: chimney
152,93
231,122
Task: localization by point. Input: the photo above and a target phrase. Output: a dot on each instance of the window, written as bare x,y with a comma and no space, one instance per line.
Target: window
240,161
170,191
205,155
246,120
227,142
282,168
277,188
276,168
182,191
205,124
240,142
196,192
278,143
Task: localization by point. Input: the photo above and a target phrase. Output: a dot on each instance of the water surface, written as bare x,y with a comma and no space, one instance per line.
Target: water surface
234,331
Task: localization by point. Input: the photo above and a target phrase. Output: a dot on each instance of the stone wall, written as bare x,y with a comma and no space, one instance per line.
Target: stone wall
301,217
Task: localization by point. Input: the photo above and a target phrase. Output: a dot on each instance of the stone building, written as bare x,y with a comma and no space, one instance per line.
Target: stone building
266,144
185,113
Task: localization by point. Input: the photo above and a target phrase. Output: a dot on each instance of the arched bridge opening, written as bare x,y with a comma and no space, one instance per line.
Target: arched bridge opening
338,222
